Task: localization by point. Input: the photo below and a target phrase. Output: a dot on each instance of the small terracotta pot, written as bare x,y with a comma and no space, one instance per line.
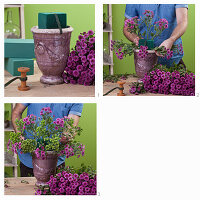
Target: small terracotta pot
144,65
43,169
51,52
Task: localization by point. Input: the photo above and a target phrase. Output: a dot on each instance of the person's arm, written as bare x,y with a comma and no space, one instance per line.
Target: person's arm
130,36
182,22
17,114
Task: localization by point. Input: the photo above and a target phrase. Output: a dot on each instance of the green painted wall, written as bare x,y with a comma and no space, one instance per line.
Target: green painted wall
80,16
88,138
126,65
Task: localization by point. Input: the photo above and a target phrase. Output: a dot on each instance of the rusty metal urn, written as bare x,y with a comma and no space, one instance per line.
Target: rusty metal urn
144,65
43,169
51,51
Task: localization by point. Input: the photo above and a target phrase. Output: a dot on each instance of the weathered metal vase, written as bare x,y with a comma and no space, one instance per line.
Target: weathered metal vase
43,169
51,52
144,65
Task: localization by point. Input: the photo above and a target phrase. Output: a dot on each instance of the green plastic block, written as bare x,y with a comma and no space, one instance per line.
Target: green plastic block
12,64
142,42
150,44
19,48
48,20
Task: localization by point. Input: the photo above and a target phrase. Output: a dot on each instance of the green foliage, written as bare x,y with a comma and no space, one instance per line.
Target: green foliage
176,67
87,169
114,78
15,137
28,145
126,48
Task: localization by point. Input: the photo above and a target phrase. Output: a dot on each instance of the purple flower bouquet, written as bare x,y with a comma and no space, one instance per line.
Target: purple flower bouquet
44,134
80,67
67,183
163,81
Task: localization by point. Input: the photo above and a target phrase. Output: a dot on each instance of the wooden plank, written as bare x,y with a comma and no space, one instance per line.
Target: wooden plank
111,70
22,21
12,5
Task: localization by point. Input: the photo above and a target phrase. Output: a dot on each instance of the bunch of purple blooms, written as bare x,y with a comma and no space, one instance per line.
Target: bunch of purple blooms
13,146
66,183
81,61
137,88
69,151
143,51
132,24
162,82
149,13
162,24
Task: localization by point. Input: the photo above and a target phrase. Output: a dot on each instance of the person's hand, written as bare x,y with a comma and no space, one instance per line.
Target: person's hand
66,138
136,41
167,44
22,138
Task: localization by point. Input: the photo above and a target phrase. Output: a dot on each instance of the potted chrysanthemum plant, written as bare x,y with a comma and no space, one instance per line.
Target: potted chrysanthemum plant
42,137
145,56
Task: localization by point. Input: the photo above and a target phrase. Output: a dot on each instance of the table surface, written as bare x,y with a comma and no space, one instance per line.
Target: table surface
109,85
38,89
19,186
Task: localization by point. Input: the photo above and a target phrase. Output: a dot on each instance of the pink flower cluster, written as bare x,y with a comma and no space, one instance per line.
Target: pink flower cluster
132,23
180,48
148,13
14,147
45,110
40,153
81,61
143,51
169,83
69,151
119,54
65,183
162,23
59,122
30,119
169,54
135,90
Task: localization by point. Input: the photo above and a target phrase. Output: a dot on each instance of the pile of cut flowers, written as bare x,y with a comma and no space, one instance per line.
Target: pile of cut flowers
163,80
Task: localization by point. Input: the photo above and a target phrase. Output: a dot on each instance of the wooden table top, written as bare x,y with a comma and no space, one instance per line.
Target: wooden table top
19,186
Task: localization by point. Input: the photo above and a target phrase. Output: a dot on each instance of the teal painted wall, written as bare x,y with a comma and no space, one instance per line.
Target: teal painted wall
80,16
88,138
126,65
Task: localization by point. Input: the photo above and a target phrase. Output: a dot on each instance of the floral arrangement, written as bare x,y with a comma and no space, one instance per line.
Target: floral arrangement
81,61
71,182
133,25
163,80
44,134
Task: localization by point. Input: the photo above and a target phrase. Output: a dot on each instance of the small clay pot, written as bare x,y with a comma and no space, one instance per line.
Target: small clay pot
43,169
144,65
51,52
